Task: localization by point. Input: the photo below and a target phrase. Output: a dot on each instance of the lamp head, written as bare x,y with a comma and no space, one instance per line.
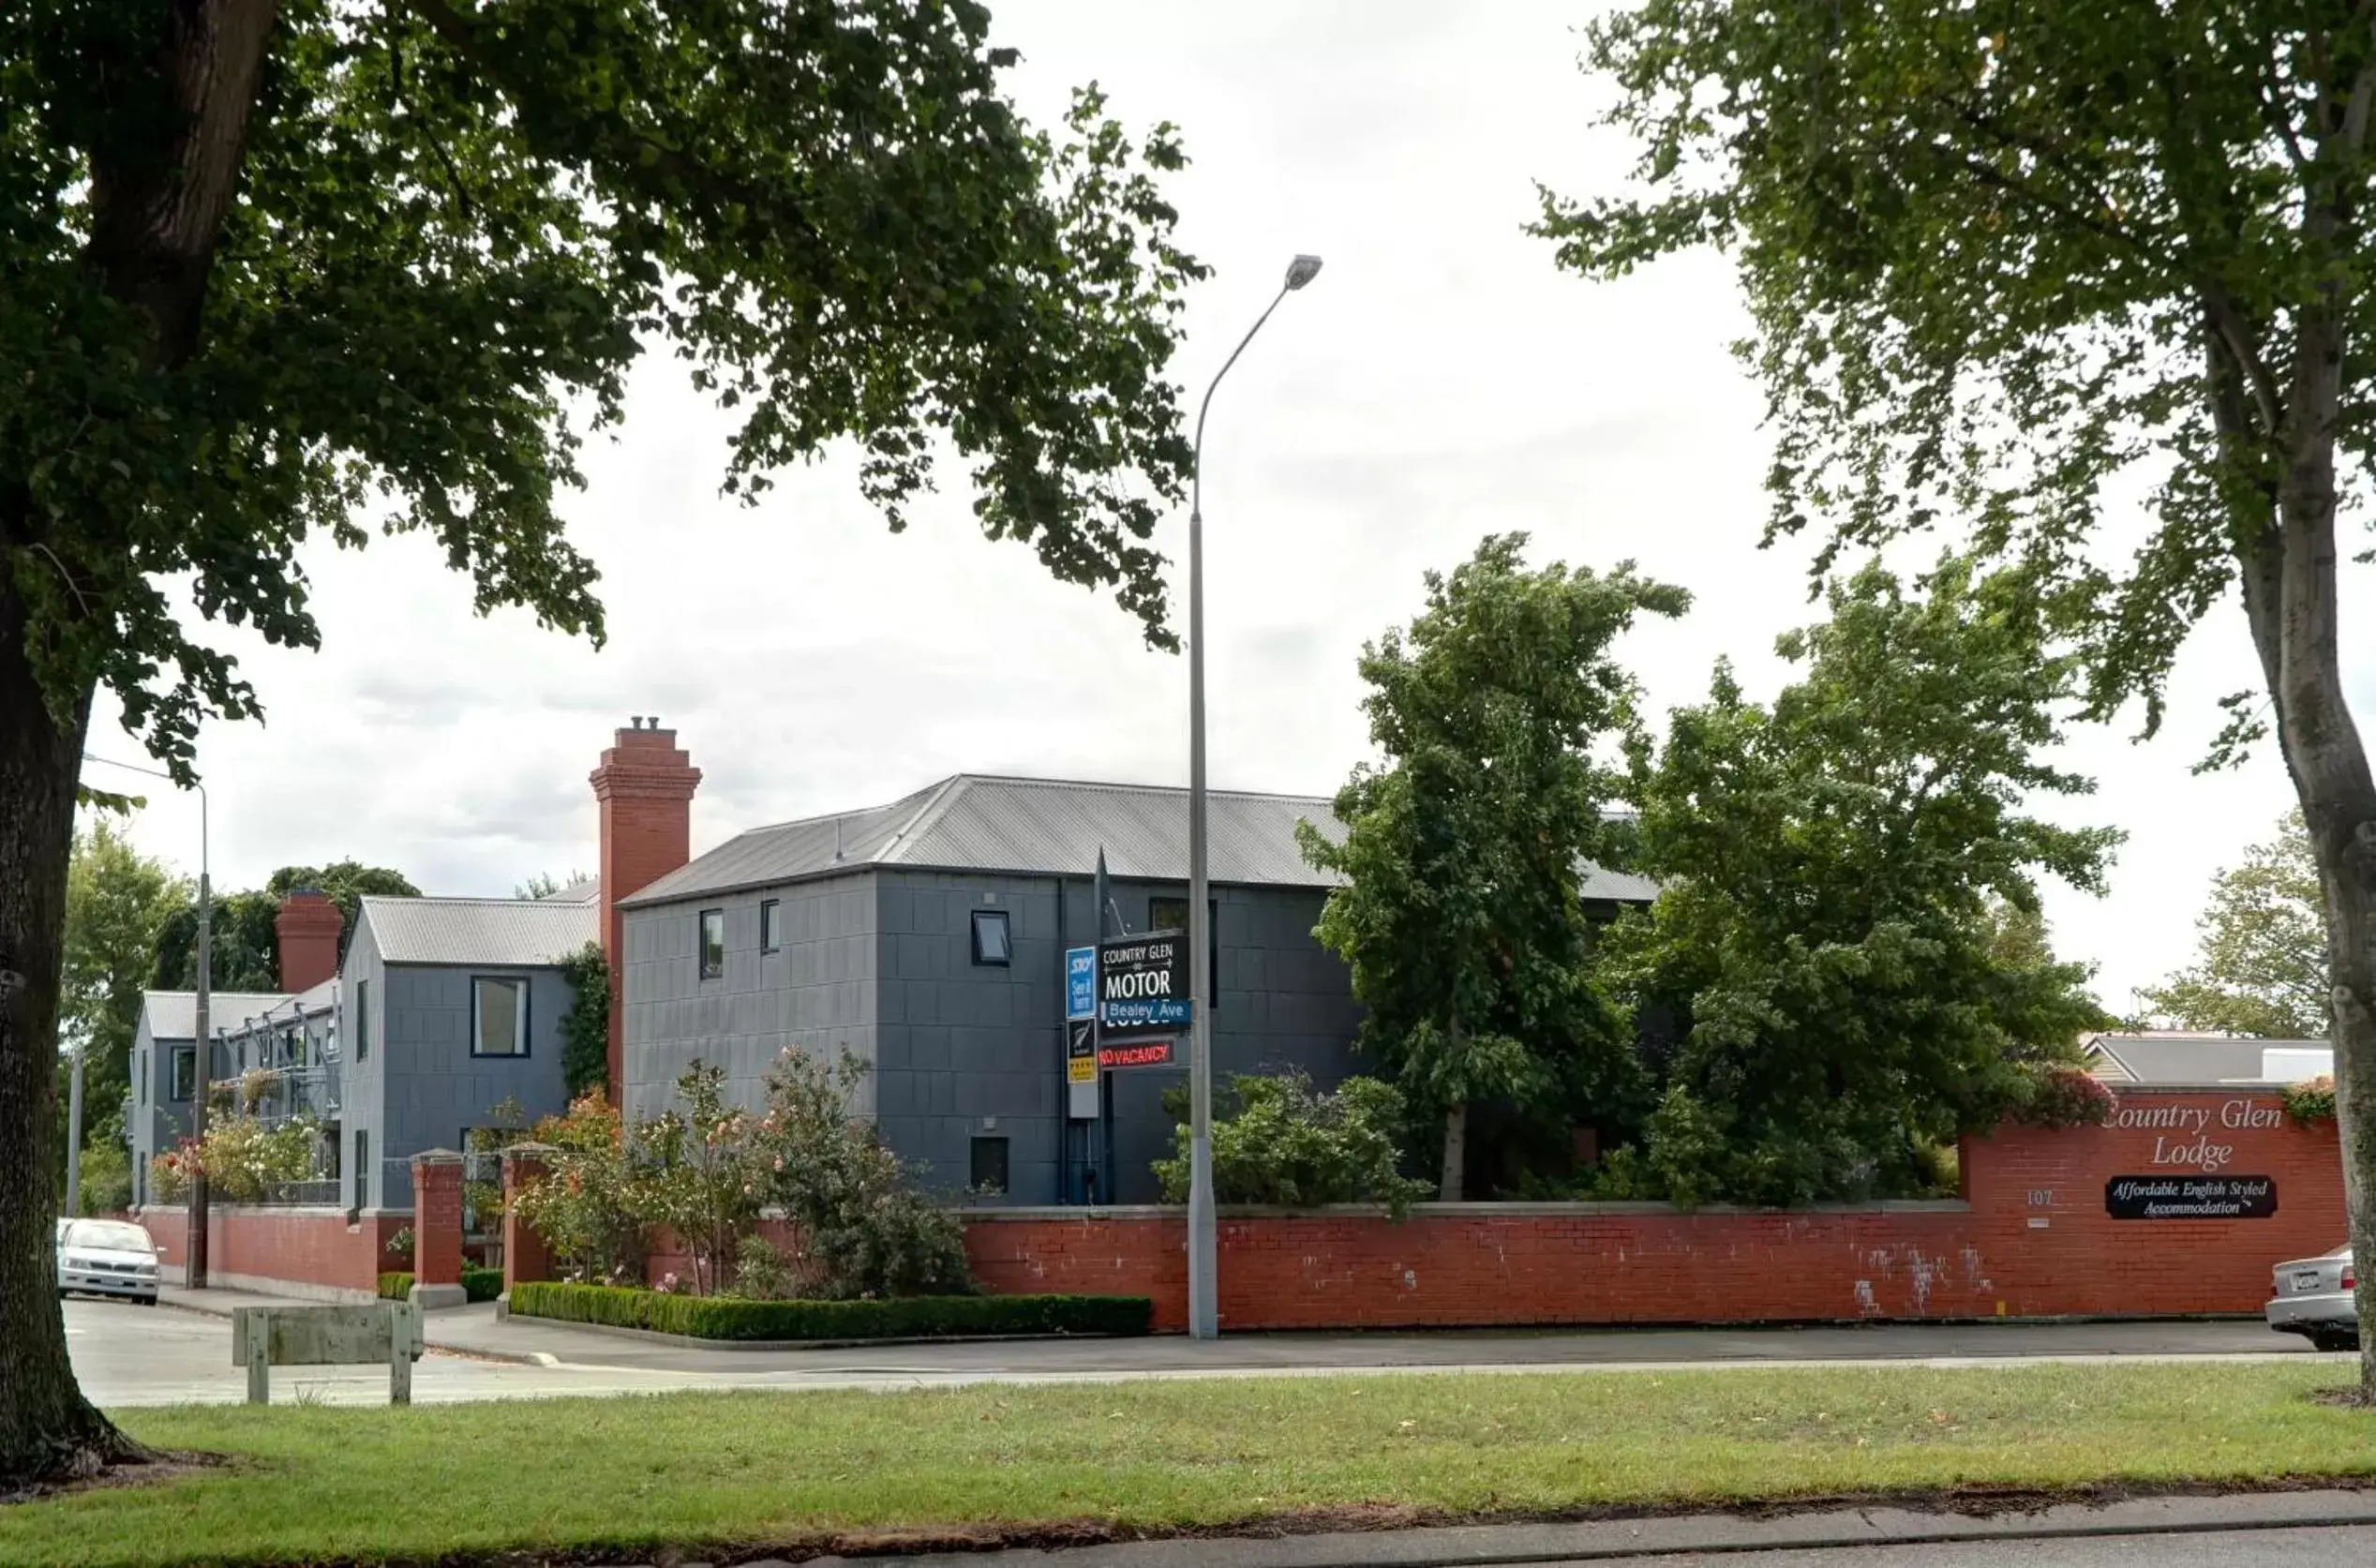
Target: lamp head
1302,269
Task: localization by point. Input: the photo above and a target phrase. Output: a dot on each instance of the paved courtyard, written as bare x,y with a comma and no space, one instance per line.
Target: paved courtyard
129,1355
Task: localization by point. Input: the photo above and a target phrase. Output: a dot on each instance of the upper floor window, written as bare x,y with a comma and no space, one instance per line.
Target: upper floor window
991,939
770,925
499,1015
185,1070
713,944
362,1020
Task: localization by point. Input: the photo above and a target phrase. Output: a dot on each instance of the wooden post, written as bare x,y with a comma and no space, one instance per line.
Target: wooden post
259,1327
404,1334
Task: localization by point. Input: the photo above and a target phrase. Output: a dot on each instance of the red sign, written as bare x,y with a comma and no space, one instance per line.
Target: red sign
1156,1053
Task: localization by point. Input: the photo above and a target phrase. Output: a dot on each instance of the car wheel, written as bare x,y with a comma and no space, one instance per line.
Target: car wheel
2334,1340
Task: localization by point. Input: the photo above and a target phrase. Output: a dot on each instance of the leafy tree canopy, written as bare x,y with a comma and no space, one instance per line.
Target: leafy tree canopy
1461,915
117,900
2261,969
245,944
1844,911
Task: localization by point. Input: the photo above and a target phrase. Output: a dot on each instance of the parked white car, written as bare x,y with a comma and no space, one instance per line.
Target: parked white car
2312,1296
106,1258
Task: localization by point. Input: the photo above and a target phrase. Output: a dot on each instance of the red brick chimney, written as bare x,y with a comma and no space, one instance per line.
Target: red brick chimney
645,788
308,925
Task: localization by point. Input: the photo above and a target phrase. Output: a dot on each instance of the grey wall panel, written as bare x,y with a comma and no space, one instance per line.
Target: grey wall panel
432,1088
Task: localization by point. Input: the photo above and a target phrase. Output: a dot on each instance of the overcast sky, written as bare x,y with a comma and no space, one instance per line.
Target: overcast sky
1439,382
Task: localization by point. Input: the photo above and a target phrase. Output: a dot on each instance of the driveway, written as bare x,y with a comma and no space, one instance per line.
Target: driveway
134,1355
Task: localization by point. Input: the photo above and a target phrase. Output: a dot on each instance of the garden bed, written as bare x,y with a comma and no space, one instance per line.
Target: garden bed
725,1318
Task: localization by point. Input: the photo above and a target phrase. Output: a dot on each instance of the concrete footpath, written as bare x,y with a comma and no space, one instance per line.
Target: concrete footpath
2338,1526
477,1331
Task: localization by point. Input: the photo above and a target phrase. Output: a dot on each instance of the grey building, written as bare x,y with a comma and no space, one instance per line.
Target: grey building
443,1010
164,1067
927,938
2185,1056
448,1009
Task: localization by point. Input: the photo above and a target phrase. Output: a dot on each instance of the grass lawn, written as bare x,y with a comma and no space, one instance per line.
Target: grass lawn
318,1483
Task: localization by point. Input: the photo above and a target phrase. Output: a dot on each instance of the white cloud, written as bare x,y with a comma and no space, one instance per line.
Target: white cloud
1439,382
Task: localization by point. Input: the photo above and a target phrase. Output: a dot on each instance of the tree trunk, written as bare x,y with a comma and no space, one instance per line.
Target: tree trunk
2289,584
1455,1152
47,1428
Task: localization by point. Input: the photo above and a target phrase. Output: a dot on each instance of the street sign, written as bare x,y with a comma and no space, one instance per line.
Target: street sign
1143,989
1080,982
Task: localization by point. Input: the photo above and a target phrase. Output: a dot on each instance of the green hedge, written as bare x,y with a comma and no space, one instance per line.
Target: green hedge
477,1285
906,1318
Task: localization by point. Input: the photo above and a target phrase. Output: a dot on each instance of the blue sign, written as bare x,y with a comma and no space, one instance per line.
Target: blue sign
1080,982
1139,1015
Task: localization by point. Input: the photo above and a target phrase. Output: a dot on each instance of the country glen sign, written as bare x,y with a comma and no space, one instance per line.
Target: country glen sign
1143,998
2193,1147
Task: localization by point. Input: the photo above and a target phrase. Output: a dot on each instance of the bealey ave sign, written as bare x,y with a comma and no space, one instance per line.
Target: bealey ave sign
1143,998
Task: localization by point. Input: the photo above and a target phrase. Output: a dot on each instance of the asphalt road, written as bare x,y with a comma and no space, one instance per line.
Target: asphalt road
129,1355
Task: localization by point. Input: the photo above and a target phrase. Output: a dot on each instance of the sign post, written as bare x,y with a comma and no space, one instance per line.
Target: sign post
1080,1032
1142,1000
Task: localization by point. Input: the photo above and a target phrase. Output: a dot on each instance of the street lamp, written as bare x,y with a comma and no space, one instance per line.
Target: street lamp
1203,1294
201,1049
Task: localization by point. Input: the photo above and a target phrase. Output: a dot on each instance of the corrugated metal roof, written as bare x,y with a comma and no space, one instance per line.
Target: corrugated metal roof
1043,826
2189,1058
479,930
172,1015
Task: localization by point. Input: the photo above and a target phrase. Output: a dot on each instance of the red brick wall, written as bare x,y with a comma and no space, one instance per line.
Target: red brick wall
306,1246
2032,1239
644,786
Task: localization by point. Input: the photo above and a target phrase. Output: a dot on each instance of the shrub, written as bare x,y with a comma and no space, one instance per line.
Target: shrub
762,1272
1278,1142
2062,1096
2311,1101
106,1175
865,1229
700,1174
586,1206
171,1170
477,1285
908,1318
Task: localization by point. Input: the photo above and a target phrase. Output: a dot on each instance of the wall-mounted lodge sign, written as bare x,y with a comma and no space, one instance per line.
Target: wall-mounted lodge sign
2196,1137
2190,1197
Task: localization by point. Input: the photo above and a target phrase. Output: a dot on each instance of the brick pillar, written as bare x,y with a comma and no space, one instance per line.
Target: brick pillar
644,786
524,1254
308,926
437,1229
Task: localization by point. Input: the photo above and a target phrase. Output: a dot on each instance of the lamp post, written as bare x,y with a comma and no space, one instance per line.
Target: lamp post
1205,1316
201,1049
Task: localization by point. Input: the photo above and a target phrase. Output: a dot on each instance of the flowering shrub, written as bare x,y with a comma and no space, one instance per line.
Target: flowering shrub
586,1206
2063,1096
2311,1101
700,1174
242,1159
170,1172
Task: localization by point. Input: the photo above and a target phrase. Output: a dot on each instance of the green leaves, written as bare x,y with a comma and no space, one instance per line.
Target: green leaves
452,228
1845,882
1462,915
2262,965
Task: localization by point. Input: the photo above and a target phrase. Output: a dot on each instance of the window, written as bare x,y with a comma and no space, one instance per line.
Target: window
139,1079
185,1070
990,944
363,1170
362,1020
713,944
1171,913
770,926
990,1165
499,1017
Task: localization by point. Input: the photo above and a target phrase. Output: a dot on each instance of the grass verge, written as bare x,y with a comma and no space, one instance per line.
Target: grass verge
598,1477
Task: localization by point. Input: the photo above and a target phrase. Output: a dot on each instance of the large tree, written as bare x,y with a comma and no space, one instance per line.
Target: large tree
2013,264
1461,915
1845,922
2262,967
278,269
116,901
243,952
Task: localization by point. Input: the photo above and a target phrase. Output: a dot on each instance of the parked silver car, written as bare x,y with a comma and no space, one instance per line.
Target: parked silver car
2313,1297
107,1258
